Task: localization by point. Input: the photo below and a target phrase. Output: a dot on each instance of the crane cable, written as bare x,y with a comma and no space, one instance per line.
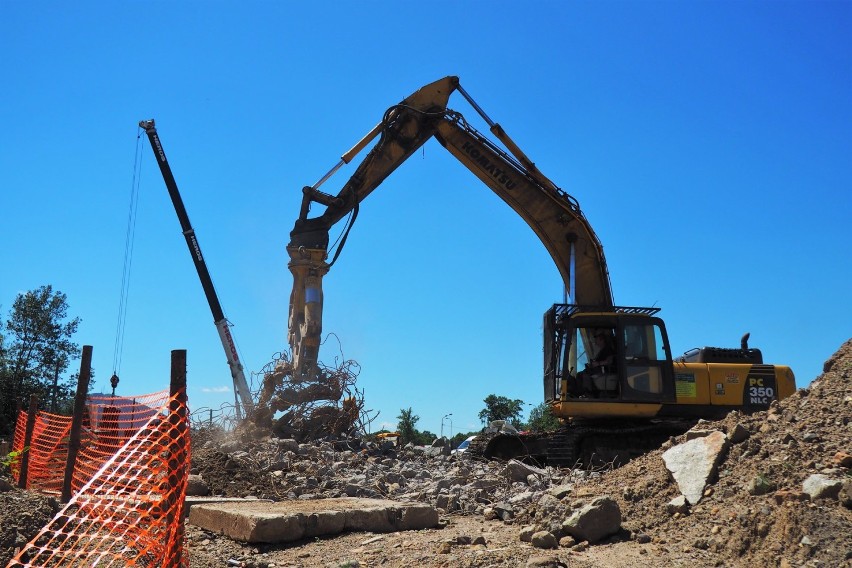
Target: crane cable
128,258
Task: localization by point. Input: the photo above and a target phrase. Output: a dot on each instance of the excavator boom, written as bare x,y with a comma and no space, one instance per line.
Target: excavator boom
552,214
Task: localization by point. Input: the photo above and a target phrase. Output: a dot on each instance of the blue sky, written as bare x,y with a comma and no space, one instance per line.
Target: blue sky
709,144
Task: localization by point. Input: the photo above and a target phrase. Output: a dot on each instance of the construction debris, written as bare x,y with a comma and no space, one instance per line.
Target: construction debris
775,491
309,408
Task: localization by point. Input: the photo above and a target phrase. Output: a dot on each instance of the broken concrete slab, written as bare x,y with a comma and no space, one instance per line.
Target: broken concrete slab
286,521
693,463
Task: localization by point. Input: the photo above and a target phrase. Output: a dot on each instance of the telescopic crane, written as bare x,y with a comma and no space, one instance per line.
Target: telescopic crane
242,393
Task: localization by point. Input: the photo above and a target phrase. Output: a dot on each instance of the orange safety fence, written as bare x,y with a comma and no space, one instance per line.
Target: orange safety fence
48,452
108,422
130,511
18,444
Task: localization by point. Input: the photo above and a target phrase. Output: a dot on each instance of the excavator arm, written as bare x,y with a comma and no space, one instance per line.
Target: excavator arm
552,214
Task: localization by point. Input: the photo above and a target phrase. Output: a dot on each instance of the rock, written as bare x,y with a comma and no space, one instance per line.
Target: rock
526,533
693,434
567,541
643,538
287,445
739,434
677,505
544,539
435,451
595,521
197,487
819,486
842,459
761,485
561,491
533,480
519,471
504,511
448,503
6,486
845,494
693,463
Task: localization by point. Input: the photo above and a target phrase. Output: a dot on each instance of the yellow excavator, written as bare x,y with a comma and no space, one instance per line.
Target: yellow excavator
609,374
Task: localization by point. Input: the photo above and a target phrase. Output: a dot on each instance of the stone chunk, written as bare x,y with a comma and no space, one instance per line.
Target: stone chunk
819,486
287,521
760,485
196,486
739,434
561,491
677,505
519,471
504,511
526,533
693,463
595,521
845,495
544,539
842,459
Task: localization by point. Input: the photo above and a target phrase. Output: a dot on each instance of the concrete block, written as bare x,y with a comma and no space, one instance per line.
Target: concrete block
287,521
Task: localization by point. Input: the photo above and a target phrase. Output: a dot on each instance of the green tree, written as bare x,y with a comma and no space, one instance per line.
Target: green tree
407,426
425,438
36,351
501,408
542,419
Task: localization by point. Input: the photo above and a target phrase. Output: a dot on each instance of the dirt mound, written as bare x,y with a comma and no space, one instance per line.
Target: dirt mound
805,434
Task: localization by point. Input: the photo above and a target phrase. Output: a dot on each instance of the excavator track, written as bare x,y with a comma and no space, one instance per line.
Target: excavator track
586,445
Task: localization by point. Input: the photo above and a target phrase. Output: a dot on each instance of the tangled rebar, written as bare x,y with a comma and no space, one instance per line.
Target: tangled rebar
327,404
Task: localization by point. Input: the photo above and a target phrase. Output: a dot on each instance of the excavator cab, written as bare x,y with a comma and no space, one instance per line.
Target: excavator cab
596,357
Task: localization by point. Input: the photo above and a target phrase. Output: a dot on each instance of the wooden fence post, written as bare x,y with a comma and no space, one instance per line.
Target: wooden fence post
77,421
178,457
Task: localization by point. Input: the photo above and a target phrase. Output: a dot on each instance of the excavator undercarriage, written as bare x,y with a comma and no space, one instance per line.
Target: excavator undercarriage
582,444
